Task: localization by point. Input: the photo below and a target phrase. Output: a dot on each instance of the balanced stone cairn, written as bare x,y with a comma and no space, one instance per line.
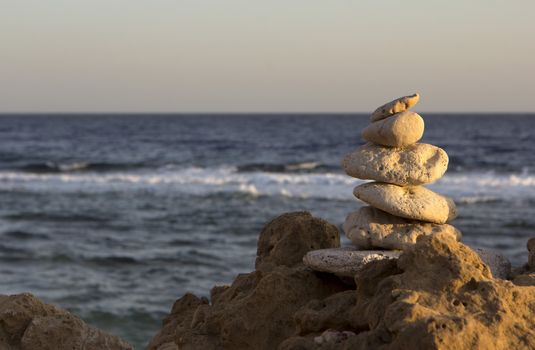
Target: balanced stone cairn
400,208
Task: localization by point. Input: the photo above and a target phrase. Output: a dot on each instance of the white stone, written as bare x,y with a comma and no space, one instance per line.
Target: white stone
345,261
398,105
416,164
399,130
499,265
370,227
413,202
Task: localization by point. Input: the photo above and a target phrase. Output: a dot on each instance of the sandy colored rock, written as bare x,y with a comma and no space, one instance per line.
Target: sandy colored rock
417,203
26,323
286,239
332,312
438,295
346,261
399,130
445,298
416,164
256,311
398,105
370,227
499,265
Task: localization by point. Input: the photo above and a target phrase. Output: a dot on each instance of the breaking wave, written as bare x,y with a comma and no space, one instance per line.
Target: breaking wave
466,188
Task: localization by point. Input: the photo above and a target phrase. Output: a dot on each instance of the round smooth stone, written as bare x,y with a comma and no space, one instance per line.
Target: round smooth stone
416,164
499,265
413,202
398,105
345,261
399,130
370,227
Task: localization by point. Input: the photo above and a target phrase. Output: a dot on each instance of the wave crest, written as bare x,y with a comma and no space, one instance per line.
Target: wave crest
466,188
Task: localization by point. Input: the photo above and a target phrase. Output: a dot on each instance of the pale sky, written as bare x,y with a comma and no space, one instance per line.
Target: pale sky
265,56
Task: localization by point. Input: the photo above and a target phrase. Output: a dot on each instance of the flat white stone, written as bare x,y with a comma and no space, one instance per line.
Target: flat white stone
413,202
413,165
398,105
345,261
398,130
499,265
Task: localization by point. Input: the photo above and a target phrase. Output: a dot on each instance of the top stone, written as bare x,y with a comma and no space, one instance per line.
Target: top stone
398,130
398,105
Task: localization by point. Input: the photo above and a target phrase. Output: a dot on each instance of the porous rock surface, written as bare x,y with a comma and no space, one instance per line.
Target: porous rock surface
255,312
285,240
437,295
413,165
417,203
26,323
399,130
369,227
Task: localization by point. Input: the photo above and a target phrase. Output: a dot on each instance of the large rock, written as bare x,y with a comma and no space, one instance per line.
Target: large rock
438,295
256,311
370,227
346,261
332,312
26,323
398,105
417,203
399,130
444,299
285,240
413,165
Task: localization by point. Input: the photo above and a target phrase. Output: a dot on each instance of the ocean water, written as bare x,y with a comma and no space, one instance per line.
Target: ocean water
114,217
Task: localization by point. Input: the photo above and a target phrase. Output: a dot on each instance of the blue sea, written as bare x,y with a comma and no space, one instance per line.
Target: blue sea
114,217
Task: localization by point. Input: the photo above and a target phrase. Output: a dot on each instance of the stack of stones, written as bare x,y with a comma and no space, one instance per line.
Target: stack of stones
400,208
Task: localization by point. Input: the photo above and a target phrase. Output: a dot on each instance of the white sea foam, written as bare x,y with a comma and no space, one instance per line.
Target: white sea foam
466,188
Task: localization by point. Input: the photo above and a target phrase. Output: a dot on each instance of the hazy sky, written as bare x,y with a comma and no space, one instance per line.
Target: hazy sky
265,56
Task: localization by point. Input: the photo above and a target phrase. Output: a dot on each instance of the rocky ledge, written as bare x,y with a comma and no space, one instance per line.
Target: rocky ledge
438,294
26,323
